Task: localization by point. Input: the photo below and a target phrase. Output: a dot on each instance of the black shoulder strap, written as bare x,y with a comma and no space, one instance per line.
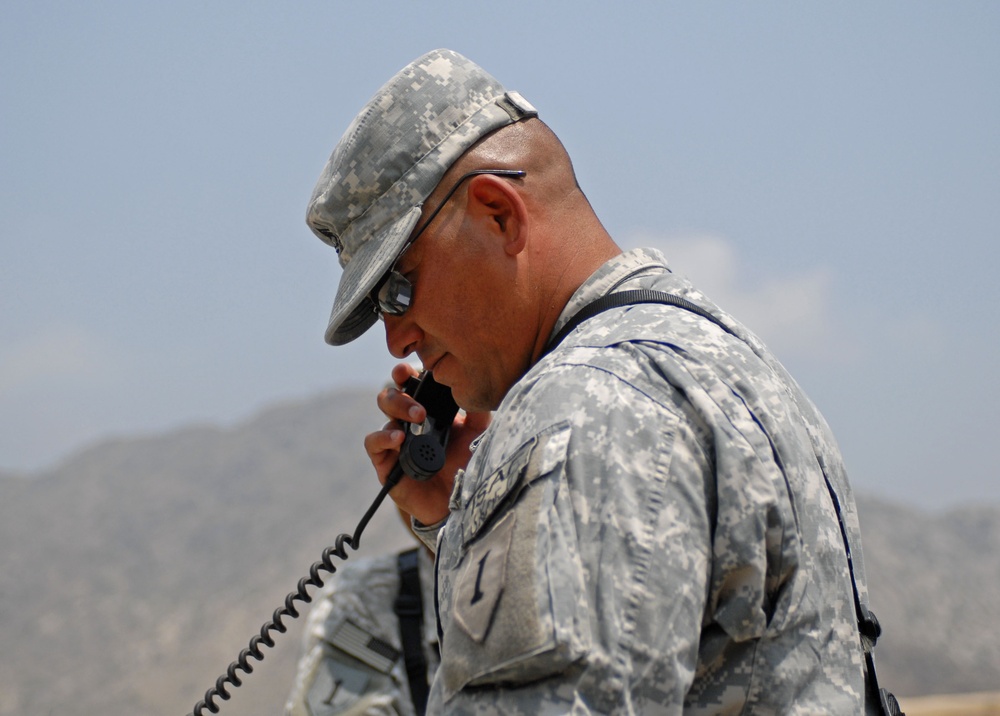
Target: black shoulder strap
409,608
868,625
630,298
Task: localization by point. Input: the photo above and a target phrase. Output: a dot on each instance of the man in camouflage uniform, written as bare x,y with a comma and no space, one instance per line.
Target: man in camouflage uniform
638,518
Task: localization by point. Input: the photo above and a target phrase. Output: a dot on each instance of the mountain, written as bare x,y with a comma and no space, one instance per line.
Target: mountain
133,573
935,587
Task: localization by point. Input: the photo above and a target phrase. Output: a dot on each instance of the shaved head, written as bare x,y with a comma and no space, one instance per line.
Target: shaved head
529,145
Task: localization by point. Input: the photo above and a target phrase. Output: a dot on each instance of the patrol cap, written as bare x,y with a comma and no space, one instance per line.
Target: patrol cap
370,194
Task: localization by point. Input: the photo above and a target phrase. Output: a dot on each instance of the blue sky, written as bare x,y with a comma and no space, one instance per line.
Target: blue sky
828,173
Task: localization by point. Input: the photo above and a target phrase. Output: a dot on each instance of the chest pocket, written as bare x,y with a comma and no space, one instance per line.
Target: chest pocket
515,601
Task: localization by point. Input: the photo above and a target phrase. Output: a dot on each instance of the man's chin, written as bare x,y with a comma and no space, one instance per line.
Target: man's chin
467,400
474,402
472,396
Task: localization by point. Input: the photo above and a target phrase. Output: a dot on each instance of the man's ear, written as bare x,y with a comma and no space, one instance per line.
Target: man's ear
497,202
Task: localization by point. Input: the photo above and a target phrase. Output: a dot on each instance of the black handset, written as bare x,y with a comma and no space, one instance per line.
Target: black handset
423,451
421,456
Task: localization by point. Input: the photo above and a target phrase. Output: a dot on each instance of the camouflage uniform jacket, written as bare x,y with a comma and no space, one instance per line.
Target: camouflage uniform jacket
352,663
645,528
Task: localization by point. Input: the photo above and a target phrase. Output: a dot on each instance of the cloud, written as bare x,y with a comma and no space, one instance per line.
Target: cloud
793,312
53,355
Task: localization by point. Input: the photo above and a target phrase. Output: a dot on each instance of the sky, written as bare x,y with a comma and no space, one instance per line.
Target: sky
828,173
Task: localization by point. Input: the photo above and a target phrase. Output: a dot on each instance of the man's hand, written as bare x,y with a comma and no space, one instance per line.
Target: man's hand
427,500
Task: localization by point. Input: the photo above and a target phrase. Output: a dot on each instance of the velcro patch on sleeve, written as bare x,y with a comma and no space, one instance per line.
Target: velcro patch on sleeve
367,648
482,579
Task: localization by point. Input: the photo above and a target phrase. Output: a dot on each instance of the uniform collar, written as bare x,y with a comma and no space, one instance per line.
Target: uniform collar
609,277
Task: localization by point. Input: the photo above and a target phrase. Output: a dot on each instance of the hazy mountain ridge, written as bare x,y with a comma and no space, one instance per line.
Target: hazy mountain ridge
935,587
136,570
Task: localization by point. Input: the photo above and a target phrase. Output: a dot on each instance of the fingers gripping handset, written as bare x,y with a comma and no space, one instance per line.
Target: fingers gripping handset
422,454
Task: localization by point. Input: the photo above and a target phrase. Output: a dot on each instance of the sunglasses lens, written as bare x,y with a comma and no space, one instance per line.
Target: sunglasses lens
395,294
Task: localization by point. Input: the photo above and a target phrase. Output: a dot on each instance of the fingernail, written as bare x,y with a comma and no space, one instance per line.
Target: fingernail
415,412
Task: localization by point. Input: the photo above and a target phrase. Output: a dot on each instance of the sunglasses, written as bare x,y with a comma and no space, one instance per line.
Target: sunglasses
393,293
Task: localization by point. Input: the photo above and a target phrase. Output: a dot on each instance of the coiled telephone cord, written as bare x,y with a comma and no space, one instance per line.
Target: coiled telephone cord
301,594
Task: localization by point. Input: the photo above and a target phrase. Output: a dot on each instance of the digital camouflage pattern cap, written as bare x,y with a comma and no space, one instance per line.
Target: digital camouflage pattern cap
370,194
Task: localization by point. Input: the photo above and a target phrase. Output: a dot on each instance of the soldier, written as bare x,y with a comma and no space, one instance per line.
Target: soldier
370,644
642,512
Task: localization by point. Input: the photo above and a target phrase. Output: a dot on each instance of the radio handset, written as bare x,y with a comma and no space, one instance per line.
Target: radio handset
422,454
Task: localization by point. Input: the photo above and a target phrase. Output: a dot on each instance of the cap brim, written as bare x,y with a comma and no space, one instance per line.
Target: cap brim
352,312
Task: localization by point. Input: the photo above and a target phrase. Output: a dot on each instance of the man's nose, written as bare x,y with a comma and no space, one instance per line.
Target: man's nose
402,335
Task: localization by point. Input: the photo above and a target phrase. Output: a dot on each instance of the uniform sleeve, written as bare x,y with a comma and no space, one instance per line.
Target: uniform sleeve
427,534
351,661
